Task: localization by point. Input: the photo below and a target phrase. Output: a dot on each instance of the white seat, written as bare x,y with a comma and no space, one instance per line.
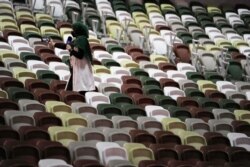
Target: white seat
22,48
112,79
53,163
225,86
185,67
209,30
188,18
158,44
38,5
5,46
100,55
170,37
119,71
16,40
176,75
156,74
173,92
61,53
95,98
36,65
121,55
57,8
239,140
157,112
109,151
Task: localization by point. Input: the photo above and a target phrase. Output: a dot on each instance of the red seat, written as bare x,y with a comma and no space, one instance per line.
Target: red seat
142,136
131,80
165,137
31,133
32,84
45,120
182,53
214,138
189,153
43,95
164,152
70,97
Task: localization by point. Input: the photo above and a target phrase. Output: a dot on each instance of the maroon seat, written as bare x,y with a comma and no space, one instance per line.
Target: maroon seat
16,163
165,82
63,24
45,120
241,127
245,104
215,94
8,133
167,66
6,82
133,49
164,152
187,102
8,32
131,80
142,136
182,53
25,21
142,100
95,47
189,153
53,150
96,62
3,154
165,137
49,57
238,56
215,153
214,138
137,57
43,95
131,89
32,84
162,27
70,97
87,163
6,104
237,164
43,49
210,164
26,152
201,113
31,133
175,163
152,163
58,85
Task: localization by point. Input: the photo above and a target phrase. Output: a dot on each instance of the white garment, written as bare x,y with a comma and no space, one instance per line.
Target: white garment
83,78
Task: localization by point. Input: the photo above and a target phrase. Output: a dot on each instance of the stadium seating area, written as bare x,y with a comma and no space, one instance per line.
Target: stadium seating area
173,85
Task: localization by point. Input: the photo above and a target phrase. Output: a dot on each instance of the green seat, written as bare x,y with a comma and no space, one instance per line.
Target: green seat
120,8
110,63
47,75
195,76
235,71
133,111
179,112
115,48
69,10
229,104
54,37
137,8
223,25
45,23
149,81
28,35
186,37
183,10
66,60
152,90
119,98
197,36
190,92
15,94
25,56
214,77
164,101
138,72
207,103
90,19
109,110
205,24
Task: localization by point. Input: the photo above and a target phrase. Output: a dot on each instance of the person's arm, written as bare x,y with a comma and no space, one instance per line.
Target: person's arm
87,51
78,53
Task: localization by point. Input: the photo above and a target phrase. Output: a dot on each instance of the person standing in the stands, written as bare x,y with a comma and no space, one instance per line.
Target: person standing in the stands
82,79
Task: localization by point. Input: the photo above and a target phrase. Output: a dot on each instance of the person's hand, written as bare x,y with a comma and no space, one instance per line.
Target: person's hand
51,44
68,47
